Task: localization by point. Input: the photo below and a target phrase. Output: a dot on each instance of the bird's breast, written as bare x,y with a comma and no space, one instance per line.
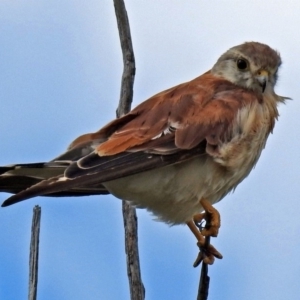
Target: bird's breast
249,133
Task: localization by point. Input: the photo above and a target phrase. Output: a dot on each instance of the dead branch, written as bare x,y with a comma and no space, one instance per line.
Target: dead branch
137,290
204,278
34,253
126,94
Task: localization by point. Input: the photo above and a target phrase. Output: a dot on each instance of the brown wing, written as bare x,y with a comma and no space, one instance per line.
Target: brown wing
202,109
168,128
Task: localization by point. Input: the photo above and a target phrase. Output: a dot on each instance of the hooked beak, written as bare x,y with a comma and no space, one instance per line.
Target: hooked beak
262,78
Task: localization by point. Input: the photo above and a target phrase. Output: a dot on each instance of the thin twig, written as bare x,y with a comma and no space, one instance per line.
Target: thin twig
34,253
126,94
137,290
204,278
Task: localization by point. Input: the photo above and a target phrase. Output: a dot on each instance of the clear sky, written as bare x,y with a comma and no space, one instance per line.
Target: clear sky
60,70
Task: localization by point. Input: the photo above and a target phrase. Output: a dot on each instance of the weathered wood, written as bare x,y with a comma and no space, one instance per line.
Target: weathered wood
126,93
34,253
137,290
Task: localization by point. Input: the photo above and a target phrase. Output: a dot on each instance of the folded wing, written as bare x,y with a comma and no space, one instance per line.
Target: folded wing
168,128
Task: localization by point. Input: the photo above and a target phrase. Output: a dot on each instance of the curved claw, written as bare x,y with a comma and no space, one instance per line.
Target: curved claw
214,218
206,259
207,254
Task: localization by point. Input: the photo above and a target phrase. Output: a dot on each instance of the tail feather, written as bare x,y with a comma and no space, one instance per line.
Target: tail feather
5,169
17,179
16,184
84,177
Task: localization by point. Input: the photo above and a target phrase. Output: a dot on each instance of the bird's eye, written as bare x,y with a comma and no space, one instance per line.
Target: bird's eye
242,64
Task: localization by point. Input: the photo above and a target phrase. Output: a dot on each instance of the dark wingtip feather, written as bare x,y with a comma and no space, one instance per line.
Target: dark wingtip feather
6,203
13,200
41,188
10,201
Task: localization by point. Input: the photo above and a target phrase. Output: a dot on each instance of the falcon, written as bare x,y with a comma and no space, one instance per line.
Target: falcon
176,153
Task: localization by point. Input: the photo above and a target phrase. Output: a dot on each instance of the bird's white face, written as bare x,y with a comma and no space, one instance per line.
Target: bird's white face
249,68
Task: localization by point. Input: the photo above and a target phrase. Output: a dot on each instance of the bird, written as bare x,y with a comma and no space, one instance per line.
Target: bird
175,154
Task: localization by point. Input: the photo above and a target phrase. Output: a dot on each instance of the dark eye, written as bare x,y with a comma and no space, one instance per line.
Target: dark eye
242,64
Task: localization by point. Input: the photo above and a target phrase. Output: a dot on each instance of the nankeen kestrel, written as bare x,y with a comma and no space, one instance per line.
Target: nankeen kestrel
176,153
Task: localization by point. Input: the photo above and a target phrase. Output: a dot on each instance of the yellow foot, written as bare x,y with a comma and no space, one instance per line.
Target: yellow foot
212,218
207,252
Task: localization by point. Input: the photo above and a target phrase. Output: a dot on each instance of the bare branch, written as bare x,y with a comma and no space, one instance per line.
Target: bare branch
137,290
34,253
204,278
128,59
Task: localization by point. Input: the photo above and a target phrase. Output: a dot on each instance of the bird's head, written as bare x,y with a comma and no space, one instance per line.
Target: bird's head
250,65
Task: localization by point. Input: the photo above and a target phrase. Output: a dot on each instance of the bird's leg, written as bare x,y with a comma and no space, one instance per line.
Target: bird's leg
212,218
207,252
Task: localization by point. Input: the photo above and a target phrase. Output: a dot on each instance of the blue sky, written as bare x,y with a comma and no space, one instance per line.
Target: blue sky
61,66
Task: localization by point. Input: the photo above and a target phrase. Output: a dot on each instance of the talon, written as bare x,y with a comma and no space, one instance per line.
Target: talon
212,216
207,253
209,259
198,260
210,250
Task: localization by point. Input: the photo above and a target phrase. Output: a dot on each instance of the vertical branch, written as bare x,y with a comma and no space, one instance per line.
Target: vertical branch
34,253
126,94
137,291
204,278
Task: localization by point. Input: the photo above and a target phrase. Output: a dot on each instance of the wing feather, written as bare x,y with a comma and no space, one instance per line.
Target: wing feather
168,128
202,109
84,178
